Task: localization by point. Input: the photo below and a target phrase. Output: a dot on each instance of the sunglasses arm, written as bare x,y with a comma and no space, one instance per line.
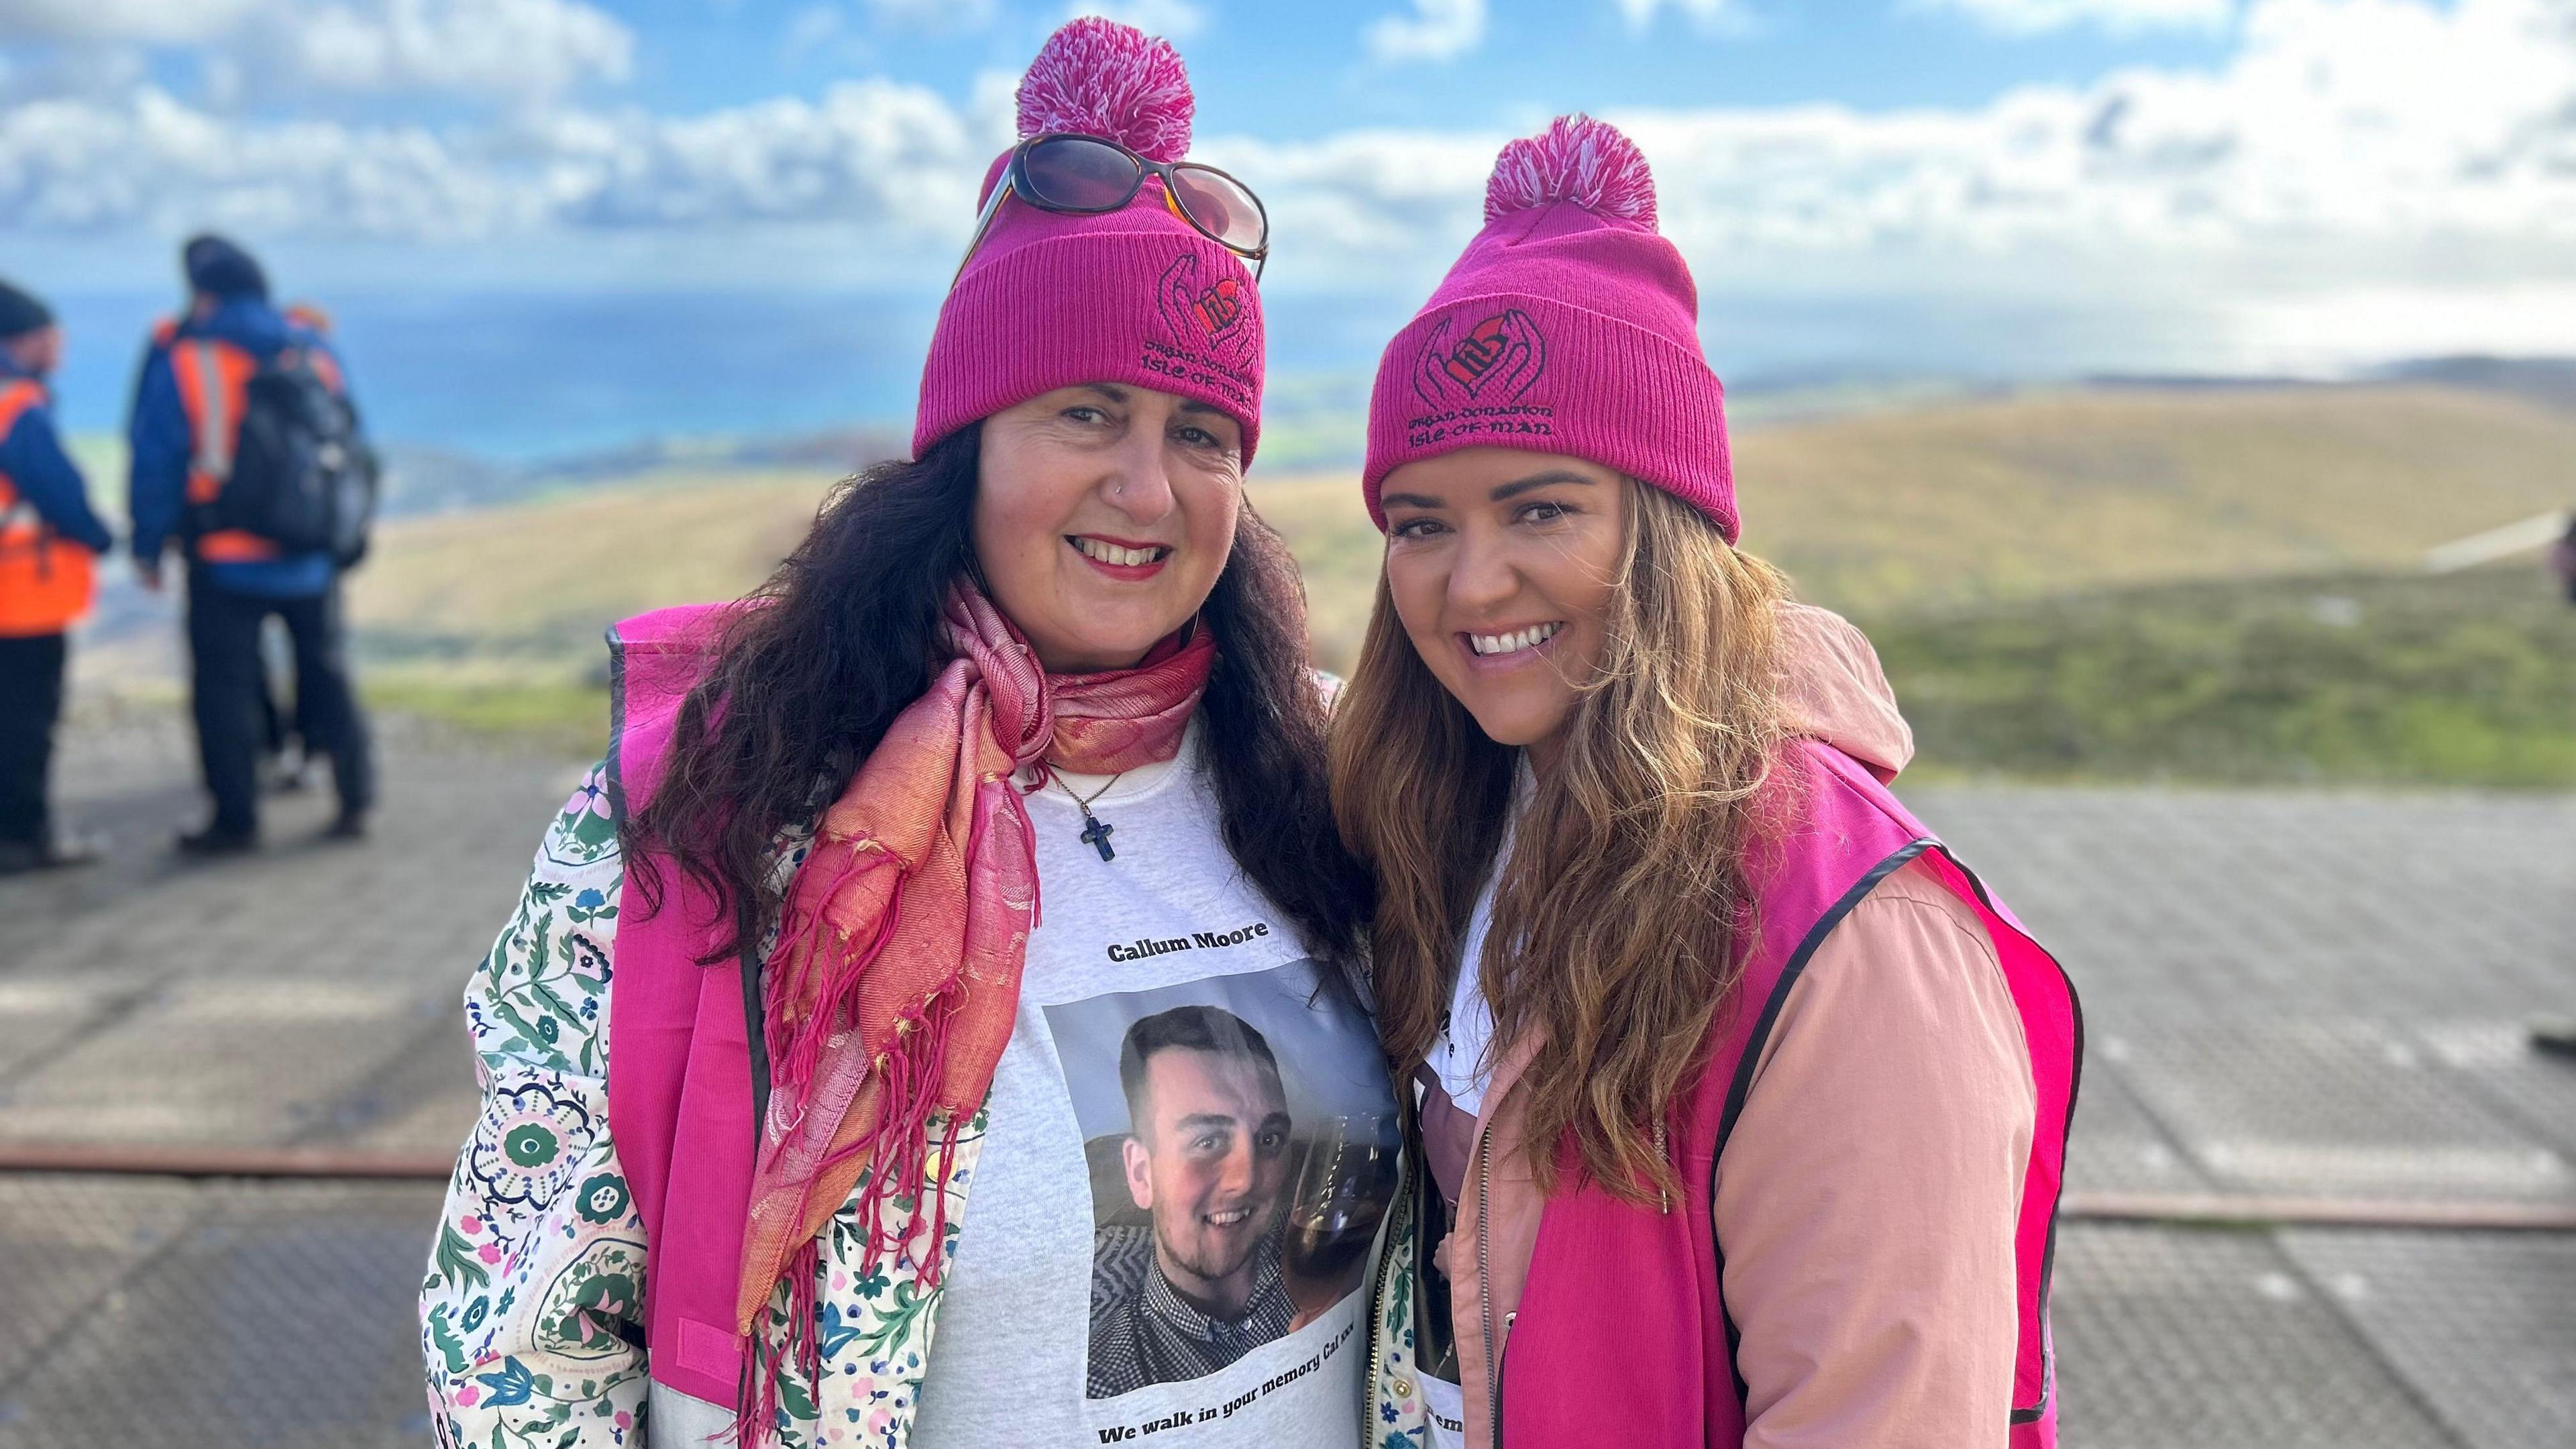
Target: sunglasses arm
983,224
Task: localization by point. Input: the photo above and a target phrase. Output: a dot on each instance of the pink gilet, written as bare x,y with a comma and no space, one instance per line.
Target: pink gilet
683,1038
1654,1361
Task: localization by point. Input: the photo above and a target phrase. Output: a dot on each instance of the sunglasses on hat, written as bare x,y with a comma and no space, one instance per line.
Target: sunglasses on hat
1087,175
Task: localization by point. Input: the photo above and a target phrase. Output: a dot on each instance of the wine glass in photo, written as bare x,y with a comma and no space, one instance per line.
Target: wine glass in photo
1341,1196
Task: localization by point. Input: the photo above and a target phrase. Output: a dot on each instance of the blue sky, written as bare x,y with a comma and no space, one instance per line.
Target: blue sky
1983,188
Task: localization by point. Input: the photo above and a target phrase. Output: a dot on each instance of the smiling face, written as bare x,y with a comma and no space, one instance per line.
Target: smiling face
1502,565
1208,1156
1103,515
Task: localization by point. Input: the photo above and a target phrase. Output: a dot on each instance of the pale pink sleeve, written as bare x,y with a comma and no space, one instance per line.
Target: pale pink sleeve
1866,1201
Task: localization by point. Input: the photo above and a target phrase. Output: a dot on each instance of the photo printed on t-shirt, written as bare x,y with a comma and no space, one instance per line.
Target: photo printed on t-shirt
1242,1147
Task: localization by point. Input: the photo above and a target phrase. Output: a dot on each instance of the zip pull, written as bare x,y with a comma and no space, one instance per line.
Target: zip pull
1663,1153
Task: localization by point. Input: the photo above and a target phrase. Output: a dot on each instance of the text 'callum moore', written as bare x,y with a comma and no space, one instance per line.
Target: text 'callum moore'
1138,950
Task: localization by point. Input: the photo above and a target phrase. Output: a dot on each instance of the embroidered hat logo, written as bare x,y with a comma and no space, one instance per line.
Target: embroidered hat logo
1501,356
1212,331
1474,384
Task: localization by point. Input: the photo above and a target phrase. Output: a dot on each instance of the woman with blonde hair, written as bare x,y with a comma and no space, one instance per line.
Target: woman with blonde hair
928,1028
1744,1103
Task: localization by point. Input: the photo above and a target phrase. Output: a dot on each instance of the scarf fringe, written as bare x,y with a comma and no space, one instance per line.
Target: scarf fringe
758,1394
899,1147
796,1044
891,1199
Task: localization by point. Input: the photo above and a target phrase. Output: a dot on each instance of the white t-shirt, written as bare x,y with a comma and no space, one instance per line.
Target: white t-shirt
1235,1315
1460,1056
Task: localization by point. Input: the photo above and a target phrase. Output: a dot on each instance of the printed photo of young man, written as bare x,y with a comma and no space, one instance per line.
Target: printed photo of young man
1207,1158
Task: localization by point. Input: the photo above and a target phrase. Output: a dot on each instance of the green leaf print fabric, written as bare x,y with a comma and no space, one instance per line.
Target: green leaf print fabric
532,1310
532,1325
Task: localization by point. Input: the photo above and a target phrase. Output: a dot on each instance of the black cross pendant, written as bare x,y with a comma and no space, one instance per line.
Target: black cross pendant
1095,833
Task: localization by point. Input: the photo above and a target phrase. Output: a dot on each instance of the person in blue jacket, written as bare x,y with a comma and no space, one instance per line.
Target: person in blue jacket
188,404
47,538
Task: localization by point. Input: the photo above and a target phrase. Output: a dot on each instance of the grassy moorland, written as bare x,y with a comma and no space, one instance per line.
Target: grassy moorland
2459,679
2087,490
2105,584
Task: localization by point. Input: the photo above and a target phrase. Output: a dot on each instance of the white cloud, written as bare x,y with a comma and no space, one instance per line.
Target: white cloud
2370,148
141,22
505,47
153,163
881,157
516,48
1436,30
81,70
2339,122
875,153
2032,17
2399,169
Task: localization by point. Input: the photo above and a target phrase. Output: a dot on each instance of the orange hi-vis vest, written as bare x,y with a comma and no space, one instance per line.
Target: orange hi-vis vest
45,581
214,389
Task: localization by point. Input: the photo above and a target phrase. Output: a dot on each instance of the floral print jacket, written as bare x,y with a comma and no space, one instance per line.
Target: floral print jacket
531,1316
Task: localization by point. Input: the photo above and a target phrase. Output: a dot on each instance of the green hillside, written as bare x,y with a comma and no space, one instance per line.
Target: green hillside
2462,679
2088,490
531,586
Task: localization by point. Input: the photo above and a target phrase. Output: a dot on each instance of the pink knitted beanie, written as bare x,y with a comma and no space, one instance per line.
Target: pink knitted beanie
1569,326
1135,296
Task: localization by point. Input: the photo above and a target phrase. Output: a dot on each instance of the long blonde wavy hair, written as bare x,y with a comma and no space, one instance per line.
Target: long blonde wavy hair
1619,921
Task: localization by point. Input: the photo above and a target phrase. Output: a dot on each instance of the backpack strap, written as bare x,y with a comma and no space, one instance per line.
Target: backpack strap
214,420
213,378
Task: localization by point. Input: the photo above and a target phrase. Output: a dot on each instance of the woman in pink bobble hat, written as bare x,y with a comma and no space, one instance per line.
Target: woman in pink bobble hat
1744,1104
972,1062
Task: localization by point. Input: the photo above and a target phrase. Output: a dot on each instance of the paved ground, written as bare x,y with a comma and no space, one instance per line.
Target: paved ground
2302,994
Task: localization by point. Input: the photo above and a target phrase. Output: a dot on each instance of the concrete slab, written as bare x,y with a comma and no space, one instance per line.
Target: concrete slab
2210,1339
271,1316
2317,995
2325,1107
2483,1325
2118,1146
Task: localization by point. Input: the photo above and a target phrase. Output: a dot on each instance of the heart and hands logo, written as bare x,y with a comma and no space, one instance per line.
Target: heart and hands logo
1213,317
1212,328
1496,361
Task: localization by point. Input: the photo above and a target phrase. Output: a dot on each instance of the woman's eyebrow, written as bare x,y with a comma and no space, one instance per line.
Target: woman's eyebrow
1519,486
1409,500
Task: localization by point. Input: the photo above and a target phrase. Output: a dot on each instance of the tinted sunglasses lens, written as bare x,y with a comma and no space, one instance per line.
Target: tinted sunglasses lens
1074,173
1219,203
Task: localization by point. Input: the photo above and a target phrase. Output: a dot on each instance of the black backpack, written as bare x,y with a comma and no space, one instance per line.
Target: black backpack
301,474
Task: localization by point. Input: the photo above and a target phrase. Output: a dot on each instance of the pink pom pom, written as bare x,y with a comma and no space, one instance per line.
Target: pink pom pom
1577,159
1096,77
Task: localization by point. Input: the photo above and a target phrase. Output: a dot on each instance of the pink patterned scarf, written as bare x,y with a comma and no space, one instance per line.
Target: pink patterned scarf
896,975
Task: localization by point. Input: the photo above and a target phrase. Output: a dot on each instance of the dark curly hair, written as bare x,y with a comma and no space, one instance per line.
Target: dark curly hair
845,637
